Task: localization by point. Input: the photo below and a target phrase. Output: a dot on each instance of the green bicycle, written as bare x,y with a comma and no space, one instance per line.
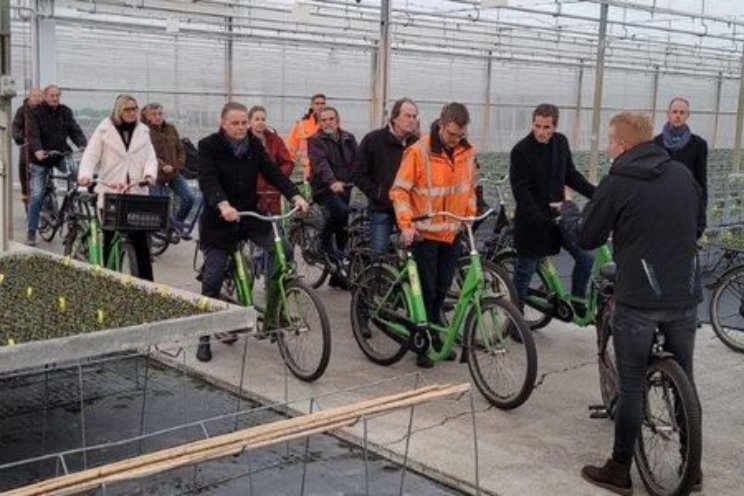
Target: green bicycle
548,298
121,212
294,315
388,319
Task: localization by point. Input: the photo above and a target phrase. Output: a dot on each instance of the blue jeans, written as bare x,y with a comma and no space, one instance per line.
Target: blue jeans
632,334
381,227
183,192
38,175
582,271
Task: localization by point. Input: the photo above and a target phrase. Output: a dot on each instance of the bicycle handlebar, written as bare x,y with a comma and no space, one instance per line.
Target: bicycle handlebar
92,184
455,216
269,218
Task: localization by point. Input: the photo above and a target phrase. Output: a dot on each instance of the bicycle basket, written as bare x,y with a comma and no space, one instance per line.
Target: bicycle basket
135,212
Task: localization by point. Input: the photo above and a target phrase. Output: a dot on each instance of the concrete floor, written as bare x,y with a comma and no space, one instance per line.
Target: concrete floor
537,449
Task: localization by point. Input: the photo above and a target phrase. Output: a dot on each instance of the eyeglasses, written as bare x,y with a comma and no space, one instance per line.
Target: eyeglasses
130,109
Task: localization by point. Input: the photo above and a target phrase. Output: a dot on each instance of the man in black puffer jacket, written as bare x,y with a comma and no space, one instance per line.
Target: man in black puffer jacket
655,209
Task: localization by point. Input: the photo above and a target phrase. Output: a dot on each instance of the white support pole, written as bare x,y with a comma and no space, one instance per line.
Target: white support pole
655,96
382,67
6,186
487,104
736,166
229,61
716,121
576,133
598,86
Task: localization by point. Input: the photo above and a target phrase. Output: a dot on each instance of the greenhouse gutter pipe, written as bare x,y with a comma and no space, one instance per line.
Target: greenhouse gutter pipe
653,9
301,38
483,44
528,10
401,48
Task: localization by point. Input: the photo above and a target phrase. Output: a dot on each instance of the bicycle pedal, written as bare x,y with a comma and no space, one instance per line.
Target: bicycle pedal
598,412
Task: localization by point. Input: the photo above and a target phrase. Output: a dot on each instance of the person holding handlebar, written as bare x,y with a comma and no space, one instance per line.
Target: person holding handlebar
121,153
436,174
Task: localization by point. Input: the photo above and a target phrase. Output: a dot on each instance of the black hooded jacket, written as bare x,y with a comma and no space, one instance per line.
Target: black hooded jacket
654,208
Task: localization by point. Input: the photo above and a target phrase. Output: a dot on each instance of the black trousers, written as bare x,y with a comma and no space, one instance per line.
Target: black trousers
633,332
436,262
141,250
336,221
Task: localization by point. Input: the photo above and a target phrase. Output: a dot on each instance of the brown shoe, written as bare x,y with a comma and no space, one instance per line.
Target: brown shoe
612,476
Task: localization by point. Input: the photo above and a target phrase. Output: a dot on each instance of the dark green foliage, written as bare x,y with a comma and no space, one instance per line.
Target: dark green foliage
37,316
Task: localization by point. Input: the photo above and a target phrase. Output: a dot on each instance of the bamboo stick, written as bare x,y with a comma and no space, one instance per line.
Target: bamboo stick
220,446
221,440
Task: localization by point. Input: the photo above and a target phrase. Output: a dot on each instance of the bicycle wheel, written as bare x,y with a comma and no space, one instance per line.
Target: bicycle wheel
159,242
372,285
76,243
305,235
535,318
501,353
727,309
48,215
305,337
606,359
128,259
669,446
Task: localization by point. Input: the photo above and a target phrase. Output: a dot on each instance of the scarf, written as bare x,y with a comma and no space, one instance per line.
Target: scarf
238,147
126,130
675,138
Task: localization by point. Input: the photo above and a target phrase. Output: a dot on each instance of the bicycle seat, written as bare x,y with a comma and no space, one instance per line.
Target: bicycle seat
608,271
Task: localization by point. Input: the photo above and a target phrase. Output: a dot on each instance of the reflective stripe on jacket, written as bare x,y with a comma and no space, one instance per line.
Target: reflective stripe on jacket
297,142
429,181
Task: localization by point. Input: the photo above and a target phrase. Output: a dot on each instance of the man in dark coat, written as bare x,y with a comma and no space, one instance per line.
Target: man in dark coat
230,162
655,211
21,132
376,165
540,169
332,154
52,124
682,145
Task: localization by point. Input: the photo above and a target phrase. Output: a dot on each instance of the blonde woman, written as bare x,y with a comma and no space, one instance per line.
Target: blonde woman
121,153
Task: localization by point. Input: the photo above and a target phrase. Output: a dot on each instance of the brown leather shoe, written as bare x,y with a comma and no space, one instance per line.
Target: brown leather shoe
612,476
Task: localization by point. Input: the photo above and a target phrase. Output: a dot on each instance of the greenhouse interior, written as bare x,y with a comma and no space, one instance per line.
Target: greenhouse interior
122,406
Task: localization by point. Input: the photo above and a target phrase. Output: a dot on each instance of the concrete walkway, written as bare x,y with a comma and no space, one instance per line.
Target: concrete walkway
537,449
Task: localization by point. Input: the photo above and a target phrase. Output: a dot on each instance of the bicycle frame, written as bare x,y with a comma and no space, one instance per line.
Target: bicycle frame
95,230
408,283
553,281
281,269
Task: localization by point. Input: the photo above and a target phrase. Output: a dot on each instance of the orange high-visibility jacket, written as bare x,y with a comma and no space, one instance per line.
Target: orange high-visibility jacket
429,181
297,142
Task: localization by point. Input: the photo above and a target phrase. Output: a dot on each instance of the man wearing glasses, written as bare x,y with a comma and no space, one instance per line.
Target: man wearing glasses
540,169
436,174
51,125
